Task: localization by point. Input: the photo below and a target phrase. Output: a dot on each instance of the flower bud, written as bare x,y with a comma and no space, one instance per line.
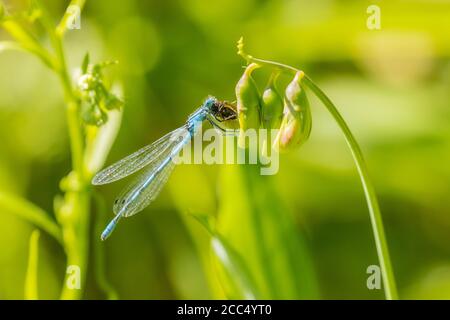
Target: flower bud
248,103
93,115
296,124
271,112
272,105
87,82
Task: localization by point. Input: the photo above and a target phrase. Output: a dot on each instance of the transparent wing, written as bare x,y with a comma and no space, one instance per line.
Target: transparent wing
148,185
142,192
138,159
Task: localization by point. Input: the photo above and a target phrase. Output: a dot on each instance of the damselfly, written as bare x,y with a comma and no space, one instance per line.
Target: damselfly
157,158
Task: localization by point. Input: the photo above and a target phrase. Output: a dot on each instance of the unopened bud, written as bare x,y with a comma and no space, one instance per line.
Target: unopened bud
248,103
296,124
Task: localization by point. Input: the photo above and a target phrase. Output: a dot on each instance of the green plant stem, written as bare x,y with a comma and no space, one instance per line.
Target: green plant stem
76,223
369,192
76,228
76,240
73,213
73,113
31,278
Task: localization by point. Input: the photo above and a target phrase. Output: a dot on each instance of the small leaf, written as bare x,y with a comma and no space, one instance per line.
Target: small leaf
206,221
85,64
232,272
112,101
98,67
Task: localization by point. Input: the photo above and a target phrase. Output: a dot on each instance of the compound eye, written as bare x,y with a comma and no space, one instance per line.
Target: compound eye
214,108
228,113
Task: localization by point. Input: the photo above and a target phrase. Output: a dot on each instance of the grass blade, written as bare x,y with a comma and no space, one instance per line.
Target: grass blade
229,267
253,220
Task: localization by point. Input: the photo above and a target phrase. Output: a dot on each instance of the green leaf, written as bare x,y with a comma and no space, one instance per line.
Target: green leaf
112,101
31,213
253,220
10,45
31,283
27,41
234,276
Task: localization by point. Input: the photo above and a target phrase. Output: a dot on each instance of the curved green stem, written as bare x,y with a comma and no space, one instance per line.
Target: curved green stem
369,192
371,198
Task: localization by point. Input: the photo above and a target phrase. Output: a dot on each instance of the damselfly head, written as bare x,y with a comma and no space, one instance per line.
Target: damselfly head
223,111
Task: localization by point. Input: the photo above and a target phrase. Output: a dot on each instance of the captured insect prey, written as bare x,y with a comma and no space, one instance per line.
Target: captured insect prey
157,159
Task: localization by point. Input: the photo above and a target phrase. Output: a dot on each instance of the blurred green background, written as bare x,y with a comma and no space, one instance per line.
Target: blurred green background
391,85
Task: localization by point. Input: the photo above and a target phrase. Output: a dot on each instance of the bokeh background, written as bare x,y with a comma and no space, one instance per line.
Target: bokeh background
392,86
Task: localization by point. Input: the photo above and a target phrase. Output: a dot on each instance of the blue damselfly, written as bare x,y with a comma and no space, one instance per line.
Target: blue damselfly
157,159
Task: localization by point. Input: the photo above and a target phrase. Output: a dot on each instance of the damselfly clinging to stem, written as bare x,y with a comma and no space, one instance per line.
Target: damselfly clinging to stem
157,158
